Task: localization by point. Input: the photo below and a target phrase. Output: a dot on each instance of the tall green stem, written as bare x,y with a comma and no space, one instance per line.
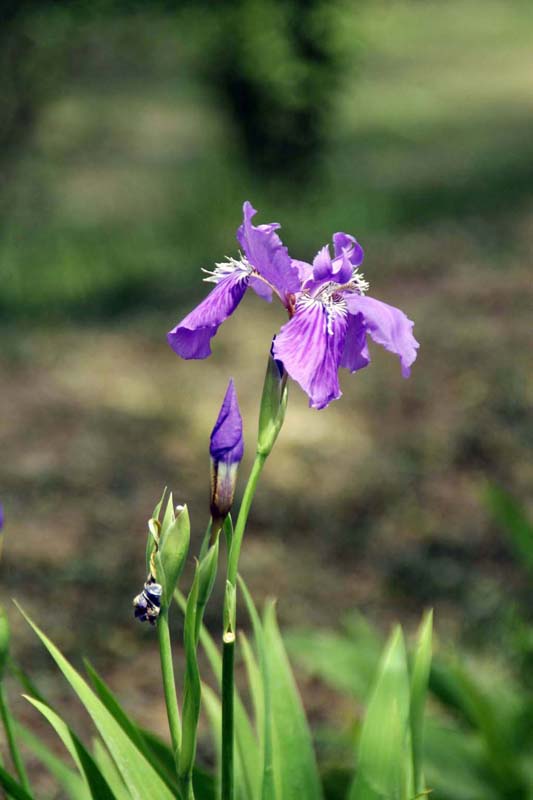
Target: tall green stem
228,689
238,533
169,684
228,653
11,741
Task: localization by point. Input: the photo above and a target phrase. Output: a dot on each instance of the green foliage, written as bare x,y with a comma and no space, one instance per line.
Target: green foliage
12,787
384,766
419,686
96,783
511,516
138,774
73,784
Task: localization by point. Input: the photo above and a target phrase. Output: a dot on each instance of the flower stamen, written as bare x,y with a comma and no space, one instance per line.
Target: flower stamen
226,268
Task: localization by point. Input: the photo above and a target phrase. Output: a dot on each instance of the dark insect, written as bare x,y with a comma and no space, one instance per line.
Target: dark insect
147,604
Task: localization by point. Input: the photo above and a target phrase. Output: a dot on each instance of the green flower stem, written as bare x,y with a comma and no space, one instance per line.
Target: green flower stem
169,685
11,741
238,533
228,689
228,651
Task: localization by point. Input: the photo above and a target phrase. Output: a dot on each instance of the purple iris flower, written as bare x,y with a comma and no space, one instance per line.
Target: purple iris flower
226,450
330,315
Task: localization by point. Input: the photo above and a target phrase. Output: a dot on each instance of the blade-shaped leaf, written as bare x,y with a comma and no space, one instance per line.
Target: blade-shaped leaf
213,708
139,776
109,771
13,788
156,751
419,687
74,784
295,770
87,766
264,722
384,769
247,749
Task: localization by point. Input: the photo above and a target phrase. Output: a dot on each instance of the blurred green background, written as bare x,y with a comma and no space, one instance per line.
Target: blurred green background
130,135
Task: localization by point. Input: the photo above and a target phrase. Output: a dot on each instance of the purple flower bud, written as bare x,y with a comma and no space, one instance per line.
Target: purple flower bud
1,516
226,450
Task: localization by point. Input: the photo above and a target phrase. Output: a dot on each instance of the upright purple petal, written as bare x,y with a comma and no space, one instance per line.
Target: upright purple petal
227,443
339,270
355,355
343,242
310,346
305,270
388,326
322,268
192,337
267,255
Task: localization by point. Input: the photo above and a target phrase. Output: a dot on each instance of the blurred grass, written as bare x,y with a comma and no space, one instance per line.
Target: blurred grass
132,182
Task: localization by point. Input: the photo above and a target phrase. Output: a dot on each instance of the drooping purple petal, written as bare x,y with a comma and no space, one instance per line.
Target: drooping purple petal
267,255
343,242
261,289
310,346
388,326
192,337
355,355
227,443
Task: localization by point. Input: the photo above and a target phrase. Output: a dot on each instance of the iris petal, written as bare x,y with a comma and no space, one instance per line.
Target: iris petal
192,337
227,442
355,355
345,242
267,255
310,346
388,326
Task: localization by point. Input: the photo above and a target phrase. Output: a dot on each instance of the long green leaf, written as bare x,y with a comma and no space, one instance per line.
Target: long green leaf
87,766
384,770
73,784
113,706
155,750
262,702
213,708
139,776
419,687
14,790
295,768
109,771
247,750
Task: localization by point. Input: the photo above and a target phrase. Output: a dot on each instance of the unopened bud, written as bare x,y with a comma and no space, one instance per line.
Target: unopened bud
226,450
273,406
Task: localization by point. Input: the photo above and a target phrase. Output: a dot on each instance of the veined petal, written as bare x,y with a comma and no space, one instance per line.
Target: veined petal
267,255
305,270
343,242
322,269
355,355
310,346
192,337
388,326
339,270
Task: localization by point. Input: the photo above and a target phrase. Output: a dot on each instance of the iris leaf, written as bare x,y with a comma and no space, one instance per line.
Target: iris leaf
138,774
87,766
